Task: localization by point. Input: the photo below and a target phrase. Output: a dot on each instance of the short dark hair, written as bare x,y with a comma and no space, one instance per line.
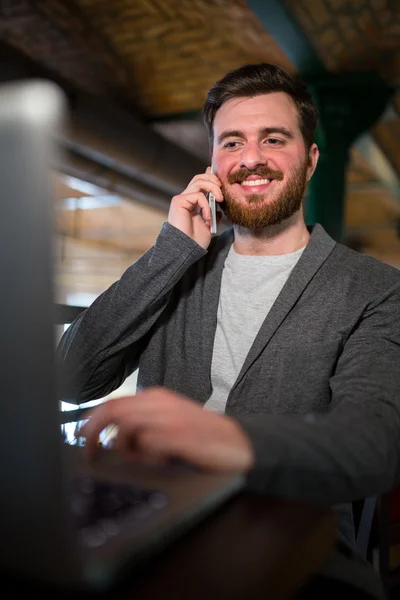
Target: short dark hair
255,80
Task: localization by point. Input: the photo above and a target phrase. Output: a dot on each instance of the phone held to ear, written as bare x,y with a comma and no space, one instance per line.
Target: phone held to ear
212,205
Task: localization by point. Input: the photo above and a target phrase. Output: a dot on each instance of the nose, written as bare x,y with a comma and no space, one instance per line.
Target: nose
252,156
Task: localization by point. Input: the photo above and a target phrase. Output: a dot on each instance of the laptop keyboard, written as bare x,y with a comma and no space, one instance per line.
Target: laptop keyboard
102,509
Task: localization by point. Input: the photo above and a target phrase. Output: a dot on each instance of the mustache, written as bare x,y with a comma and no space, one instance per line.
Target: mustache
263,172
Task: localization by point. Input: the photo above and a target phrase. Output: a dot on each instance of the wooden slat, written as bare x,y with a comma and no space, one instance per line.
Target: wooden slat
129,226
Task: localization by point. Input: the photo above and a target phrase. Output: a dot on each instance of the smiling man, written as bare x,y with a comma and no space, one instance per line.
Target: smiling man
289,340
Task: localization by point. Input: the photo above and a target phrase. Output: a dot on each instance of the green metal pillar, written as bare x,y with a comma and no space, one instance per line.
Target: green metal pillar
348,105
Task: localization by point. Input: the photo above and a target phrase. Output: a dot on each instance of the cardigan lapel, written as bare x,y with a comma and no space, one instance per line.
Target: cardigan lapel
212,286
315,254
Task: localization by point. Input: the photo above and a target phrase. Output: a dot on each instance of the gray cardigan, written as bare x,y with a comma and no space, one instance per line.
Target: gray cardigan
318,393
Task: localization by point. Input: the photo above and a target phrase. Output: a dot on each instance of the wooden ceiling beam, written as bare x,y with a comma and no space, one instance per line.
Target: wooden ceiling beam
81,167
114,139
69,19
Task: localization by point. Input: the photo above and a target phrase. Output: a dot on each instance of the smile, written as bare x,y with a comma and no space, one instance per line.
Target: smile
255,182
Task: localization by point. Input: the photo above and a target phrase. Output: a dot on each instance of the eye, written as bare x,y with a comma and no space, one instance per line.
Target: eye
229,145
274,142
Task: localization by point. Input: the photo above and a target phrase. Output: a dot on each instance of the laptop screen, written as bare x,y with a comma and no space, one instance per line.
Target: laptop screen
30,442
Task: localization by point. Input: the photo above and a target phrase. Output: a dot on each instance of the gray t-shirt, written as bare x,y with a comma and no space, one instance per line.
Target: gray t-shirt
249,287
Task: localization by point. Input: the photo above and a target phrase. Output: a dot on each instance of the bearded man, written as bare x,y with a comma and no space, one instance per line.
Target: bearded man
269,349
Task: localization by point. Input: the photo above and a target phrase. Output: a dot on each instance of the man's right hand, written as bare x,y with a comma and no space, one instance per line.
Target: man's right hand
184,212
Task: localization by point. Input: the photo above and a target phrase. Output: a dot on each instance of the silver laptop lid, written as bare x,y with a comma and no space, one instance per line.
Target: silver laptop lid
32,514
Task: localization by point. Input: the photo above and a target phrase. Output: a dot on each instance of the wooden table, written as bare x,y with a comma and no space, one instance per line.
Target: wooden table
252,548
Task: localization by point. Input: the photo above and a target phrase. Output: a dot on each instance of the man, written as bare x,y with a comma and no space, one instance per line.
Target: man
291,341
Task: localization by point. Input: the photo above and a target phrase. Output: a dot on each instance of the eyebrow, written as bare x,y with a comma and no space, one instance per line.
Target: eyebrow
263,132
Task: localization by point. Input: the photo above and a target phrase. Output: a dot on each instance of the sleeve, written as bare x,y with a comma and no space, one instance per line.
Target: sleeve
353,451
103,345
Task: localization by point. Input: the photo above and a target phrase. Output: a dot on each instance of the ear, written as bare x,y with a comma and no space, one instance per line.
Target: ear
313,156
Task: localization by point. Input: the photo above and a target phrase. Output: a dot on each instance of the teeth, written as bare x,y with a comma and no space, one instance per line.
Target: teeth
256,182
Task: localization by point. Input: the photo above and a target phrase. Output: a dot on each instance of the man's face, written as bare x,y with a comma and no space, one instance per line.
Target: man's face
260,157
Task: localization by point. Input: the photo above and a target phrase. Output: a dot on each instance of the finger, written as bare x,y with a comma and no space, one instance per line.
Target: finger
208,171
125,444
196,201
205,183
129,412
143,446
206,187
110,412
150,443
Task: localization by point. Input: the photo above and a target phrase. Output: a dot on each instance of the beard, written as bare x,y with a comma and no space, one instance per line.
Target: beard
255,212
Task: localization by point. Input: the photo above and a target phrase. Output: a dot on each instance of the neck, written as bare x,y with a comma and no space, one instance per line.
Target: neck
288,236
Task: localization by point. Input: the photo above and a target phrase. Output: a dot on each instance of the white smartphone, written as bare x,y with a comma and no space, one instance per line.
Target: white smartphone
212,205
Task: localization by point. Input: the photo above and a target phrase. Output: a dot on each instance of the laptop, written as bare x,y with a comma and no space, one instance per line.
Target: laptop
65,520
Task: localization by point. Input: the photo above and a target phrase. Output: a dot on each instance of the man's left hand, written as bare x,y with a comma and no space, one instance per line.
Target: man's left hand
158,425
